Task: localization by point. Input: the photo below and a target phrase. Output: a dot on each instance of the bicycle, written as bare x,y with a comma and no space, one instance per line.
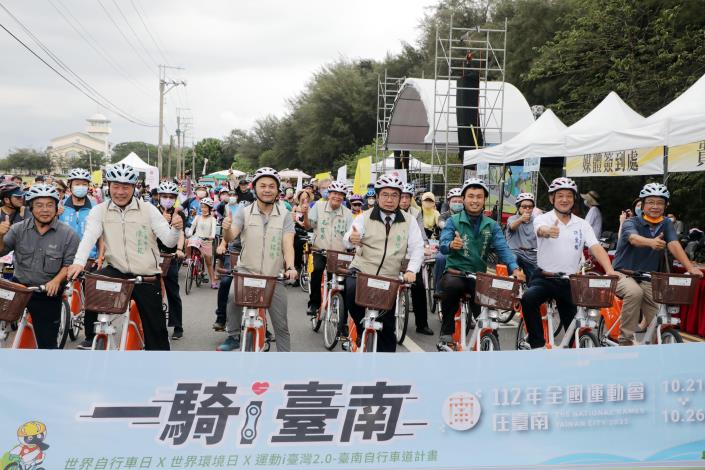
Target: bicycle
14,298
165,260
306,267
492,293
378,295
111,297
402,310
72,309
195,269
669,291
254,293
332,302
590,293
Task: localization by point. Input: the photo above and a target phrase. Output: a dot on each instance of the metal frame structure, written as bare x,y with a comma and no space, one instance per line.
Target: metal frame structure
449,65
387,90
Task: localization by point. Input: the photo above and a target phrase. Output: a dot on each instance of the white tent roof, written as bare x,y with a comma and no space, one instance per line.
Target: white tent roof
543,138
415,166
151,172
684,117
411,122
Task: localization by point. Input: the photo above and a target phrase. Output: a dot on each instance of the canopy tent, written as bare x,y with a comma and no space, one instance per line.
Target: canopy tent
411,121
151,172
415,166
543,138
223,175
293,174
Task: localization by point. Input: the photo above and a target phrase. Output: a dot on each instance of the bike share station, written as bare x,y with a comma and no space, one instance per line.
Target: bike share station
604,407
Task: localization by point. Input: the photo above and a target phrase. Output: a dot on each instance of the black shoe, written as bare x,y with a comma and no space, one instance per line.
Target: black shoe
311,311
425,330
177,335
269,336
218,326
85,344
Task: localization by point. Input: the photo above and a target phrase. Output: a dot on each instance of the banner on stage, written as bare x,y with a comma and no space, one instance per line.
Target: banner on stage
642,161
363,175
640,406
686,158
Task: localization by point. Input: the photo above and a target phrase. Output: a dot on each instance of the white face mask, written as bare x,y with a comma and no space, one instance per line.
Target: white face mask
201,194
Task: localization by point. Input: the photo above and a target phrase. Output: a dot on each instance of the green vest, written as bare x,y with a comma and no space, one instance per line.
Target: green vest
472,258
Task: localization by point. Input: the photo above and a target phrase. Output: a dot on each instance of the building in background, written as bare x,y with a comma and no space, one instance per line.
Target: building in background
65,149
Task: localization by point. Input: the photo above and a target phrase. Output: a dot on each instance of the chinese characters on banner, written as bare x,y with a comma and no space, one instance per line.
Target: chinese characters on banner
644,161
688,157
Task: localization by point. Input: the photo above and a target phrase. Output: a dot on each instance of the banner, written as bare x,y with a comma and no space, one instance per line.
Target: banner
97,177
643,161
342,174
363,176
531,164
686,158
638,406
516,181
323,176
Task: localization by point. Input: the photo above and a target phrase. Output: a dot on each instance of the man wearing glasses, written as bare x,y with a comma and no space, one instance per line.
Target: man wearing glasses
521,237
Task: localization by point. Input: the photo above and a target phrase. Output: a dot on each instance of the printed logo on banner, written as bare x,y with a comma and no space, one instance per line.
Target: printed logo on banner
313,412
30,452
461,411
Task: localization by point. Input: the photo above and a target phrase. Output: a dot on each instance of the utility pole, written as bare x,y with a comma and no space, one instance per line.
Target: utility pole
182,123
179,140
171,147
164,87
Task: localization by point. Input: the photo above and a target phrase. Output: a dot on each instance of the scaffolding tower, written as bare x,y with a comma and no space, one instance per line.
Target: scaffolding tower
387,89
488,48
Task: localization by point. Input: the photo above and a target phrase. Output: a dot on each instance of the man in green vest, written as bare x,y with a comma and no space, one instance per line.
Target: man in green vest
466,240
383,236
266,231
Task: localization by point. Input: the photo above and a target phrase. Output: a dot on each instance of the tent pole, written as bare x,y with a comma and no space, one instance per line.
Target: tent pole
665,164
500,198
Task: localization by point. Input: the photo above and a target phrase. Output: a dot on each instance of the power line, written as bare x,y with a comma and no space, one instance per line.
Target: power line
102,105
134,49
93,43
112,106
142,16
134,33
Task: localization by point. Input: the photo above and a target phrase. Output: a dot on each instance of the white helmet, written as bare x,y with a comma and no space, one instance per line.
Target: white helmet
79,174
167,187
655,189
389,181
42,190
408,189
266,171
454,192
474,182
121,173
207,201
338,187
563,183
525,197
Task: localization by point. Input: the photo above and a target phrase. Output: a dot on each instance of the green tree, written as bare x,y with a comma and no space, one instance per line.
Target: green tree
147,152
26,160
89,160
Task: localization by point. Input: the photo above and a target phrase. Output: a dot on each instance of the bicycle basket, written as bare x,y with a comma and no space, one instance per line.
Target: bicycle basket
338,261
496,292
673,289
13,300
165,261
376,292
592,291
107,294
253,290
234,256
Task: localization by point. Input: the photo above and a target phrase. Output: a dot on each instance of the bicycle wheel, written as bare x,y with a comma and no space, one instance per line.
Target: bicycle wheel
587,339
505,316
489,342
188,283
332,321
430,288
522,342
64,324
602,332
101,343
75,328
370,342
198,272
671,336
249,339
304,281
402,317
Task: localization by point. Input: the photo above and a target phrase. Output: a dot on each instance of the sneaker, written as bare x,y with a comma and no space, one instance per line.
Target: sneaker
85,344
177,335
445,339
424,330
311,311
217,326
231,343
214,285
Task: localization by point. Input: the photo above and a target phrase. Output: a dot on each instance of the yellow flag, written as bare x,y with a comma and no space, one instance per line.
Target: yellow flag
323,176
362,175
97,177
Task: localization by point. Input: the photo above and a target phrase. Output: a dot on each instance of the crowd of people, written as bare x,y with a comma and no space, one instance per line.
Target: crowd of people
54,228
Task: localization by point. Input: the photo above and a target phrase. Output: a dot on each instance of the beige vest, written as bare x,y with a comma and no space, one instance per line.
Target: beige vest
331,225
262,251
130,244
379,253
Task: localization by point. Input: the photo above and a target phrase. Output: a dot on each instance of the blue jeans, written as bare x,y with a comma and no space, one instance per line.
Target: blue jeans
223,290
438,270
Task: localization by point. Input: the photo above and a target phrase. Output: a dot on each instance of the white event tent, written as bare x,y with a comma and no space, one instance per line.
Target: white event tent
151,172
415,166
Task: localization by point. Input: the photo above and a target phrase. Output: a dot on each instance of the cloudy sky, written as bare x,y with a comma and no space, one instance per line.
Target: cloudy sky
242,59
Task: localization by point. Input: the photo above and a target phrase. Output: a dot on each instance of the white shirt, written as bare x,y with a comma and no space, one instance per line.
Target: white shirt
414,244
594,218
563,254
168,235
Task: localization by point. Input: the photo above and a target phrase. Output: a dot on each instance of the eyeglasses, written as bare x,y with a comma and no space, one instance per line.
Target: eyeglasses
525,207
389,196
41,206
656,203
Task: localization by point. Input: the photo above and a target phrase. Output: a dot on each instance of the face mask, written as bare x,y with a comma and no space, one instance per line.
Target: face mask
371,202
167,203
324,194
428,204
456,207
201,194
232,201
79,191
638,211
